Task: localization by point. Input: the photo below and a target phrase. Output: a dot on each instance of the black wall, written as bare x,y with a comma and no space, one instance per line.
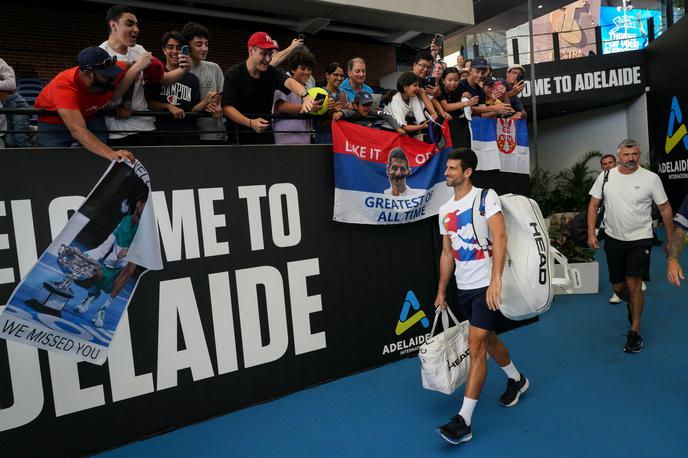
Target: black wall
667,70
365,274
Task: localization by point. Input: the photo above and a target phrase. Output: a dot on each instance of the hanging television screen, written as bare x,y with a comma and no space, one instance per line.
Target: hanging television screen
626,30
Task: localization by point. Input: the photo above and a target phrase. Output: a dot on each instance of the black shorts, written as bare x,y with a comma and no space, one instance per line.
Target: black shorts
473,303
627,259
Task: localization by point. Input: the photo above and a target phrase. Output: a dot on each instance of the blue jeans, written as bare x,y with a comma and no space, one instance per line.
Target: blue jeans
58,136
17,122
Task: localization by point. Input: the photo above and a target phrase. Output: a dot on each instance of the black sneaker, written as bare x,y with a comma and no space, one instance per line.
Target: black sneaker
633,342
513,392
456,431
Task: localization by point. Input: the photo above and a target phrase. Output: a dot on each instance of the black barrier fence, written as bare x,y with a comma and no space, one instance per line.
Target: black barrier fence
261,294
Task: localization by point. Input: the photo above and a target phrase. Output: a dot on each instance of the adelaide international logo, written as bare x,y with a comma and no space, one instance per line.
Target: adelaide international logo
675,135
411,314
406,321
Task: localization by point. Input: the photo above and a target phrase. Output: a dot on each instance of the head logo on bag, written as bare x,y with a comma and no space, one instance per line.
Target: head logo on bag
542,251
405,321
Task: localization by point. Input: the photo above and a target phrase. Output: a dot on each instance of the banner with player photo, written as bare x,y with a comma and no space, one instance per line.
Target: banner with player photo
385,178
501,144
72,299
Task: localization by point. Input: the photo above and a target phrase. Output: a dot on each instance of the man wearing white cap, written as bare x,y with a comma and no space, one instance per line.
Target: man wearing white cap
250,87
515,86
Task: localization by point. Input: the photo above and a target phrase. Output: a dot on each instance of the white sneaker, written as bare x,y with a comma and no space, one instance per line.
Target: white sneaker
83,307
614,299
99,317
643,287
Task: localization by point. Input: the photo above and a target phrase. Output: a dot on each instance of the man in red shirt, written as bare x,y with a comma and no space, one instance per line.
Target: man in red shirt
77,94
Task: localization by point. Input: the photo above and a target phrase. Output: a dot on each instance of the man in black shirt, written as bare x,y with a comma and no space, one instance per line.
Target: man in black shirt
250,87
178,98
476,74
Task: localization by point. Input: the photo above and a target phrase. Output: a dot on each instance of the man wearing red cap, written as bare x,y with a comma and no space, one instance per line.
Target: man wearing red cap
250,87
77,94
126,129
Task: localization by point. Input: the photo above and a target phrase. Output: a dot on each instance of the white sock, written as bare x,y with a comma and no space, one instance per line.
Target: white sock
467,409
106,304
511,371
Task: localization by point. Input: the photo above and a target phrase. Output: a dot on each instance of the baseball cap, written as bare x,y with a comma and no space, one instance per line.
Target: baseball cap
489,81
98,60
515,67
363,98
479,63
154,72
262,40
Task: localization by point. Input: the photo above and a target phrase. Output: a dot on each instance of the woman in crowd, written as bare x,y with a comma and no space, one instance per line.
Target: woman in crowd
460,61
334,75
437,70
436,74
403,102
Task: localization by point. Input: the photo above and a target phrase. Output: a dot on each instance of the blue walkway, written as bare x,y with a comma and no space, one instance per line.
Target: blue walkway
587,397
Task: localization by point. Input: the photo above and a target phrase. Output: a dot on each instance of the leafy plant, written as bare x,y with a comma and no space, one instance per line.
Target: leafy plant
541,183
566,191
575,183
561,240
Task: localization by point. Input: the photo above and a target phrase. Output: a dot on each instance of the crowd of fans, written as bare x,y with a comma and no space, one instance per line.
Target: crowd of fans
121,76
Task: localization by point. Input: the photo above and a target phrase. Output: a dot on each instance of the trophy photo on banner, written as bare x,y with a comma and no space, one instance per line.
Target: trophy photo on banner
72,300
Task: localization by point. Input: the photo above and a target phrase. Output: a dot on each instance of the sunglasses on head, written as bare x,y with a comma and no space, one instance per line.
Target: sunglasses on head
109,62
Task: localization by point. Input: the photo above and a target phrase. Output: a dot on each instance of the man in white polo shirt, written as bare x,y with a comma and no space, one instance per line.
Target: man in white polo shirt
628,196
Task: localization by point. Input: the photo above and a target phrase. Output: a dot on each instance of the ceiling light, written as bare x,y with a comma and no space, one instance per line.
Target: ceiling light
489,29
539,6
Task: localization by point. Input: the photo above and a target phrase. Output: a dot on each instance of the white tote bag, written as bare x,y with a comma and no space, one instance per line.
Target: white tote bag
444,358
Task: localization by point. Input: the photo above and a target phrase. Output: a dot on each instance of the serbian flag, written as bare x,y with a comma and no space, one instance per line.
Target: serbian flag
385,178
501,144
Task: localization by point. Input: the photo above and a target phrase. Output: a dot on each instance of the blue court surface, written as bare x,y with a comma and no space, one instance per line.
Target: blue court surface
587,398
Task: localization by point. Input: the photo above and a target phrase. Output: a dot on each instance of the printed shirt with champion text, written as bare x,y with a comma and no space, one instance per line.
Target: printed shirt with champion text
473,265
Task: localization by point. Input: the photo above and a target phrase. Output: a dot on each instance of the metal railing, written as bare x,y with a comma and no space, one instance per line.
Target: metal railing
236,130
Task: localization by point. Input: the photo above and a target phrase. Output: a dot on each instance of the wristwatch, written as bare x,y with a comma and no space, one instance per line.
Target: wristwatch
304,93
127,105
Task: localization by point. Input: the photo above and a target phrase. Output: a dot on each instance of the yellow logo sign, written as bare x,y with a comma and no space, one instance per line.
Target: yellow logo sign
675,136
406,321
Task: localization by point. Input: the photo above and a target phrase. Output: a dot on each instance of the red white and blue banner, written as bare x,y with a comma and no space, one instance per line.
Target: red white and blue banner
385,178
72,300
501,144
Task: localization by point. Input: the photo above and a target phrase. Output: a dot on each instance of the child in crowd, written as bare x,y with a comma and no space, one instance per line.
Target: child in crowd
403,102
361,113
495,94
452,101
294,131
